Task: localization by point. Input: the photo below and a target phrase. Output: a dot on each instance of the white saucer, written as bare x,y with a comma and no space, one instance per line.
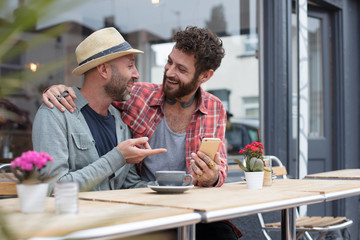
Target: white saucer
169,189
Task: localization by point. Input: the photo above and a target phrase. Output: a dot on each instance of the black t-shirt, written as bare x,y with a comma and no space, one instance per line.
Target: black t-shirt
102,129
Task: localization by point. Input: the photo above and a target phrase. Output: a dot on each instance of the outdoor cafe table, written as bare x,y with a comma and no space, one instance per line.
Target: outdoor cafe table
337,174
95,219
235,200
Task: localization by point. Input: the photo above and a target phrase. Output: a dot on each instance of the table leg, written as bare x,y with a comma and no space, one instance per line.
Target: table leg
186,232
288,226
192,232
182,233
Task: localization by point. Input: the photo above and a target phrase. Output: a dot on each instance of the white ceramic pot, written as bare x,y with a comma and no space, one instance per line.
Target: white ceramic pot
32,197
254,180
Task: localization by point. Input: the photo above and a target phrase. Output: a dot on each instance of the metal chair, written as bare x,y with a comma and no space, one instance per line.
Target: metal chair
304,225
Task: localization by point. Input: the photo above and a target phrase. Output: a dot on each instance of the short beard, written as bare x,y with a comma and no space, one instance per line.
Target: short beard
116,88
183,90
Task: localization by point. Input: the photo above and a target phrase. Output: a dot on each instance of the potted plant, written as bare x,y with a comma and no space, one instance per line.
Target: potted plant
31,187
254,164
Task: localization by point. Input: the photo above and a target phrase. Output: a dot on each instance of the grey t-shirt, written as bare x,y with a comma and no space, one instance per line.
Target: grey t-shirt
173,159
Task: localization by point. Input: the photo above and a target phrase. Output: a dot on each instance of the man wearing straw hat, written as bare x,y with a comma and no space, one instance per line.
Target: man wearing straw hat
92,145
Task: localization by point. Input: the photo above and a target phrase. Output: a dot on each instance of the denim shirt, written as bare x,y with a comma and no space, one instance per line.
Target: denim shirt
67,138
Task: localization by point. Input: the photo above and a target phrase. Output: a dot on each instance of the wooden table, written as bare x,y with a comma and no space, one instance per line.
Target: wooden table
95,219
7,187
230,195
121,213
235,200
338,174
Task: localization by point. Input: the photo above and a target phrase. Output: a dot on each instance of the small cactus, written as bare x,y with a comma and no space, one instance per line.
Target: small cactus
256,165
252,165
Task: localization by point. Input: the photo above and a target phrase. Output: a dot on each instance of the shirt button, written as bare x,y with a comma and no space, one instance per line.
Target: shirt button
131,123
155,120
121,127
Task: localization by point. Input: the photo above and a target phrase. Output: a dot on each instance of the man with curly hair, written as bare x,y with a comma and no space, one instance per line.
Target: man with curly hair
178,114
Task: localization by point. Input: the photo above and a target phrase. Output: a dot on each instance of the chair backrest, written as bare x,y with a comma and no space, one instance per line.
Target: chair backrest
278,168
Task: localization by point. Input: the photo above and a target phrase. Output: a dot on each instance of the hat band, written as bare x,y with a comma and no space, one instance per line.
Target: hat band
121,47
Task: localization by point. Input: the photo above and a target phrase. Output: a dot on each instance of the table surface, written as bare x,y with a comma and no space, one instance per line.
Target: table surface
338,174
109,208
230,195
92,214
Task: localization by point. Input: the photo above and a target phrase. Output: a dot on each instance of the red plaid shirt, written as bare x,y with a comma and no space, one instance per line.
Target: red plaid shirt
144,111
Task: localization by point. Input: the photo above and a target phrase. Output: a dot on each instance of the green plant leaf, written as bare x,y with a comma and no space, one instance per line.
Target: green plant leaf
241,165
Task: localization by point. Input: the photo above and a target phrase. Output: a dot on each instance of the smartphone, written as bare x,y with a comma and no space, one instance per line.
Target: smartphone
210,146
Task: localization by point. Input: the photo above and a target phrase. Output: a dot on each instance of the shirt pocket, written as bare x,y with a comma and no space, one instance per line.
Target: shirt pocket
82,141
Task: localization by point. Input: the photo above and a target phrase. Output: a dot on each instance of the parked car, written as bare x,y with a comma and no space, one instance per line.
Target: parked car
241,133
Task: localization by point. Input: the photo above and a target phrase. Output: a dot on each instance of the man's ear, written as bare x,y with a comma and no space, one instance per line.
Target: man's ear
206,75
104,70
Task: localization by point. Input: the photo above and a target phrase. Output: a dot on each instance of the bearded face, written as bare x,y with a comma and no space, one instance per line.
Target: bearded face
179,89
116,89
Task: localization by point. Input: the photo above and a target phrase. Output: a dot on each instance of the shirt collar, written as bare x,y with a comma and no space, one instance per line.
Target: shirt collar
158,98
80,101
201,101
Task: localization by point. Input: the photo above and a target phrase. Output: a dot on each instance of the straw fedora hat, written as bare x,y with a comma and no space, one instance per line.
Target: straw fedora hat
101,46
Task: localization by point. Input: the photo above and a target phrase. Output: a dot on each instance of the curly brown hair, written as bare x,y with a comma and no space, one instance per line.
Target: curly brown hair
205,45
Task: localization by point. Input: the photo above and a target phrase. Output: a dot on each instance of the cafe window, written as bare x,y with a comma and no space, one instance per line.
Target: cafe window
147,25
